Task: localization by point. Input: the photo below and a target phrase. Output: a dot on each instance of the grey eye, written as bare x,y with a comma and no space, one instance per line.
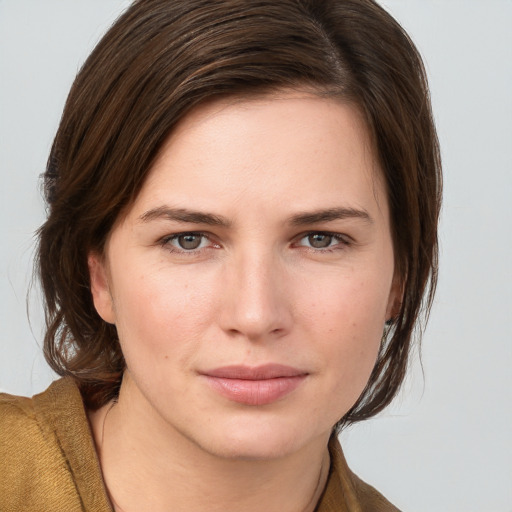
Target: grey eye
189,241
319,240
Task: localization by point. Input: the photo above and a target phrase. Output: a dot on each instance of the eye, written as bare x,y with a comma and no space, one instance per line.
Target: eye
186,242
321,240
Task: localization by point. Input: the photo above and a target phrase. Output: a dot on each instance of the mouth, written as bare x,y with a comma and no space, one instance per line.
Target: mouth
259,385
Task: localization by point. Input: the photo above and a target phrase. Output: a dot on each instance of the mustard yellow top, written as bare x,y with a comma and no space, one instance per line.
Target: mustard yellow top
48,461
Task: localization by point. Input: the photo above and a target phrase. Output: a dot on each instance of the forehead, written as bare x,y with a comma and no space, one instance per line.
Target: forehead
303,145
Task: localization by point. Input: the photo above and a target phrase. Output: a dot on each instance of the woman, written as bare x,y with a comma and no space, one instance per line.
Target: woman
243,203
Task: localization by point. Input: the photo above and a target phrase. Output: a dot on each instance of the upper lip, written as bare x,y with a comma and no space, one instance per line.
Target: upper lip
262,372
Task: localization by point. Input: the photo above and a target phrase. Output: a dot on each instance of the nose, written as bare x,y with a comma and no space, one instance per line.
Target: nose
255,304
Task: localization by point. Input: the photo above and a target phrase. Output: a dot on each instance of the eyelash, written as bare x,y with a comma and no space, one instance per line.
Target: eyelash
166,242
343,241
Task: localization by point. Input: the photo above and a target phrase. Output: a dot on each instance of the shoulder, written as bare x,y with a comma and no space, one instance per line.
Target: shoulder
371,499
14,411
26,426
38,440
346,491
22,441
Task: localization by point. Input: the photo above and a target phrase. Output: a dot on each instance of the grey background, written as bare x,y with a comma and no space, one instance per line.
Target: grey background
446,442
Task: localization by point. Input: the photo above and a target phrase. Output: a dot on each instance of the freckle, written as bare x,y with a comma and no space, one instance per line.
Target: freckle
166,357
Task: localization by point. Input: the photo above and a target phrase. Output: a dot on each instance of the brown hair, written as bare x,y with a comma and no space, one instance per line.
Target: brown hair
158,61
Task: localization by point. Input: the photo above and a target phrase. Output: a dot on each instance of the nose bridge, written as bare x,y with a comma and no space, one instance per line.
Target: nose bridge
255,304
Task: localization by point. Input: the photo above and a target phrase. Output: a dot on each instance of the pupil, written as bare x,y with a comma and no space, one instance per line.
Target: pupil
189,241
319,241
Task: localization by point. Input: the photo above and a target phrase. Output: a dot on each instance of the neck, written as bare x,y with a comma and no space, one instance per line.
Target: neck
148,465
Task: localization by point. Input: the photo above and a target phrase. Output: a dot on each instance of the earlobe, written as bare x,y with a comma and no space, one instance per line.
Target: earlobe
100,288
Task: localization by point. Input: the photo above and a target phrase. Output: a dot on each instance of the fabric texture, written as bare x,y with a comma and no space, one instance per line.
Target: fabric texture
48,460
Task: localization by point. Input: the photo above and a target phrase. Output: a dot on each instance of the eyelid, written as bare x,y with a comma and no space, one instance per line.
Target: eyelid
165,242
344,240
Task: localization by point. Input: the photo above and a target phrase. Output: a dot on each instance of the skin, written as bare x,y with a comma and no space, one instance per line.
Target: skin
260,289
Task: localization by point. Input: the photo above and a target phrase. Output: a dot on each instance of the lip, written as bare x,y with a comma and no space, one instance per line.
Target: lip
258,385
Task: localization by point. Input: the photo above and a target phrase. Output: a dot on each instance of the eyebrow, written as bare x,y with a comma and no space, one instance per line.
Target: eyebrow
184,215
210,219
328,215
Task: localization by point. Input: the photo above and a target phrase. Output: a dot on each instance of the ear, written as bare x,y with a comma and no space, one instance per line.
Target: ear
100,288
395,298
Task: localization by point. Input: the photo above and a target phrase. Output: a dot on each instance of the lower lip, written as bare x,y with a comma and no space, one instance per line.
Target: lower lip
255,392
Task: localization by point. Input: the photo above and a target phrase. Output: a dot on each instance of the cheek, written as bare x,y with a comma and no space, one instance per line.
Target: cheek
351,306
160,314
347,320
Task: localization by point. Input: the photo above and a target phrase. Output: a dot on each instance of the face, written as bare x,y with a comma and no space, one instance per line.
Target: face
251,279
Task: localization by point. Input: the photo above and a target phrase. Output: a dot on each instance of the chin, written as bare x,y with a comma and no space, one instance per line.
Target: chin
257,439
257,448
